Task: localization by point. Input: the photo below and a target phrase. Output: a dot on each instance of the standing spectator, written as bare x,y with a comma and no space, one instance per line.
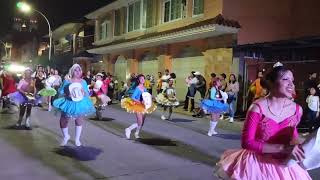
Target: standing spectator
191,82
311,82
88,78
47,70
258,88
313,108
232,91
159,82
8,87
115,87
39,69
201,85
152,81
147,84
224,83
39,83
51,72
104,75
213,76
173,77
122,90
111,88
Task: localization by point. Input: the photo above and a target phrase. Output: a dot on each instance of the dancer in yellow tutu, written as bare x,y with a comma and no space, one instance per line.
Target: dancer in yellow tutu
168,100
139,103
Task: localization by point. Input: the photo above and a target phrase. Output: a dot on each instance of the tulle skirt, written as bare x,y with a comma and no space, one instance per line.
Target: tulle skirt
18,98
71,108
213,106
47,92
100,100
247,165
162,100
133,107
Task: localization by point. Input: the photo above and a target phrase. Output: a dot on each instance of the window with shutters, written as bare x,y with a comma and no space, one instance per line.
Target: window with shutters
117,22
198,7
134,16
149,11
105,30
173,10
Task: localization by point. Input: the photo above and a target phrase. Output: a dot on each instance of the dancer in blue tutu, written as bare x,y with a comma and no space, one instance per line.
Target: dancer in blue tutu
216,104
75,103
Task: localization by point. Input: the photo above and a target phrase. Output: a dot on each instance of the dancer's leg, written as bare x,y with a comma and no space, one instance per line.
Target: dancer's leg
213,124
78,123
64,129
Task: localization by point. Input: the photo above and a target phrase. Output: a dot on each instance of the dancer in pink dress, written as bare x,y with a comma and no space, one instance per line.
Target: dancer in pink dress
269,136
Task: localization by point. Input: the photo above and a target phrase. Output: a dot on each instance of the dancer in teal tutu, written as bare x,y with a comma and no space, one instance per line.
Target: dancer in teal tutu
74,105
216,105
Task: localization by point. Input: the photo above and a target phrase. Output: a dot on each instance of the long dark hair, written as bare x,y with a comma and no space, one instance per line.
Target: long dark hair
235,79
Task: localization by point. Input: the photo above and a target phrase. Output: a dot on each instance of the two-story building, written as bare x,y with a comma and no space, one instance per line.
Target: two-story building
149,36
70,42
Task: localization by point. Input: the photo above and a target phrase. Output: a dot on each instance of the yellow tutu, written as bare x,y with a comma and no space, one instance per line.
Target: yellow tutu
135,107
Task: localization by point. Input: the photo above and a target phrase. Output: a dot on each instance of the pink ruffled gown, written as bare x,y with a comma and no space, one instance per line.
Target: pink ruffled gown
250,163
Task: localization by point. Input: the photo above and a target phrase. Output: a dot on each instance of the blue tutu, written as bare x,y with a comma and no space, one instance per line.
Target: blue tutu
213,106
74,109
71,108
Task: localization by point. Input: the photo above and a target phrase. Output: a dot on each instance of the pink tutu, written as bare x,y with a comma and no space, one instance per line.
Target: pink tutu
247,165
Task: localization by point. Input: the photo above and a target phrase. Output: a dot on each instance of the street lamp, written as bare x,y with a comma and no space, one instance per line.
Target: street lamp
26,8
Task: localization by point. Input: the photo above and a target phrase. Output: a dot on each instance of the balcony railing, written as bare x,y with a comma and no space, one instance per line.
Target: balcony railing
84,43
62,48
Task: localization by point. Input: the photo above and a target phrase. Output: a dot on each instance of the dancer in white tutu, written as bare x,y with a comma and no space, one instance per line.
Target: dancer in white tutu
168,100
100,90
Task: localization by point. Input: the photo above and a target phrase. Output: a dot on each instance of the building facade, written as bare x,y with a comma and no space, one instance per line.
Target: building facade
22,41
70,42
286,31
149,36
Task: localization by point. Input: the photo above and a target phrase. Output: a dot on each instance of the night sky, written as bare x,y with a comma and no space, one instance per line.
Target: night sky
57,11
